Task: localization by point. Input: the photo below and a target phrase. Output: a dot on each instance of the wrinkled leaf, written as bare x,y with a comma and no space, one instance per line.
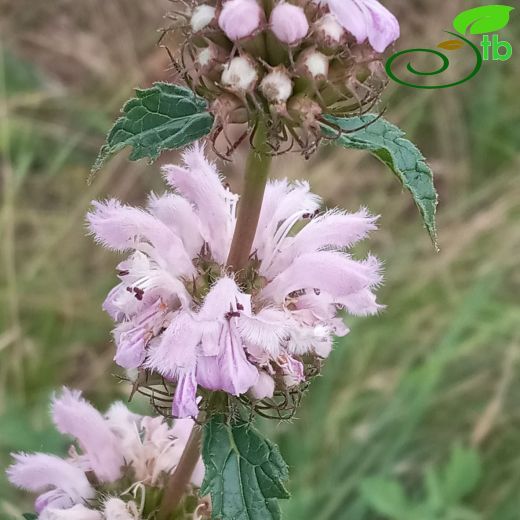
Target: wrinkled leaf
482,20
386,496
244,472
451,45
385,141
163,117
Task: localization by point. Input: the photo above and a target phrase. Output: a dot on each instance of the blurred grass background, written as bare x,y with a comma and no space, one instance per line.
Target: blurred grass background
418,413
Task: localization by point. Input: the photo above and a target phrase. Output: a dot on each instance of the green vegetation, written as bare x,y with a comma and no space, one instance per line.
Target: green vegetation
417,407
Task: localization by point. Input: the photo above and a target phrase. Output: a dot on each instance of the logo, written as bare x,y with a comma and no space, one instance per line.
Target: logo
480,21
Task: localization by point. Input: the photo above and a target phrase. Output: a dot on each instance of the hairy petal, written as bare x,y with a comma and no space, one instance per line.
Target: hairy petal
284,205
266,329
334,229
39,472
176,349
74,416
178,214
122,227
332,272
200,183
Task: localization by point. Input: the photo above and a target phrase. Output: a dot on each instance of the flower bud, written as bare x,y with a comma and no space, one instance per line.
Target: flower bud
313,64
328,32
289,23
277,85
240,18
201,17
264,387
240,74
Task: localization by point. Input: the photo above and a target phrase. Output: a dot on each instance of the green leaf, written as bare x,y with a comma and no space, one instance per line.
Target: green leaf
244,472
482,20
163,117
30,516
386,496
385,141
461,474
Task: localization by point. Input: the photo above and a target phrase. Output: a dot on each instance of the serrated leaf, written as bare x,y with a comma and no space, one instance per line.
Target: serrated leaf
385,141
461,474
163,117
386,497
482,20
244,472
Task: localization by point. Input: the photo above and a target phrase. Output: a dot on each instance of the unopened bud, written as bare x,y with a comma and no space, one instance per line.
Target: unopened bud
201,17
289,23
240,74
240,18
277,86
314,64
328,32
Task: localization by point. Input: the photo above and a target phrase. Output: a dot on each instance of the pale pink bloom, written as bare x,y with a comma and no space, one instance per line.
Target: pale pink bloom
61,483
147,448
226,339
74,416
366,19
289,23
240,18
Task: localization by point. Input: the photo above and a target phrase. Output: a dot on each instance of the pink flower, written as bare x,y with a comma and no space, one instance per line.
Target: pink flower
181,314
240,18
289,23
118,448
366,19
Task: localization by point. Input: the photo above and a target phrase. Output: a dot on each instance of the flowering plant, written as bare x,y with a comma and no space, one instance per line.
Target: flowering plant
226,306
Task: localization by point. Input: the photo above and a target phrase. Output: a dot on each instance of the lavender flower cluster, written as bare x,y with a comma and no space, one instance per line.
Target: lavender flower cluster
181,314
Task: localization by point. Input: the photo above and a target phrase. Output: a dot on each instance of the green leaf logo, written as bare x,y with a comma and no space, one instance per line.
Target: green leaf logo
482,20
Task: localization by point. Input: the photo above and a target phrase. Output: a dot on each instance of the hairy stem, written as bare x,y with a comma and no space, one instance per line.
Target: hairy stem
180,478
255,180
